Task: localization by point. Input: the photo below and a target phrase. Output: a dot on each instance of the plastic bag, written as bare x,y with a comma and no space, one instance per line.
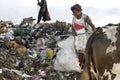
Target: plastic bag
9,35
50,53
66,59
1,71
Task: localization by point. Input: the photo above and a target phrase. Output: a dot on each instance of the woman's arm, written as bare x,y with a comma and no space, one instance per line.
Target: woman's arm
89,21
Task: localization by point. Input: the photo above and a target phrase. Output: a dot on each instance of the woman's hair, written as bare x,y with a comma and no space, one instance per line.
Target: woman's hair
76,7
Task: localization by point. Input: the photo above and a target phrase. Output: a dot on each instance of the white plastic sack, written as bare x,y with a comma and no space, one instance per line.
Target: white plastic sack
66,59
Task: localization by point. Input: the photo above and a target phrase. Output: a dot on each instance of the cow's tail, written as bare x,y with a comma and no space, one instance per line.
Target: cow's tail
89,52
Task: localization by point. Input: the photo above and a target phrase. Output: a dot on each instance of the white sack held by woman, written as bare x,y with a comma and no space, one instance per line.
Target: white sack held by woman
66,59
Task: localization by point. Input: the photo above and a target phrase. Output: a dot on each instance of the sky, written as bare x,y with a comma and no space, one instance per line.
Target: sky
101,12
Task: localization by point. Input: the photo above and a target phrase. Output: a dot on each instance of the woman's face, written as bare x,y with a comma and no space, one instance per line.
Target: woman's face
76,13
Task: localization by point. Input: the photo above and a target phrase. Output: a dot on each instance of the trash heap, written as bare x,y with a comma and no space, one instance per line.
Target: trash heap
19,57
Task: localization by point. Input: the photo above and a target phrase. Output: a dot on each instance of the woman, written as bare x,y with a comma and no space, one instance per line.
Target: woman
80,24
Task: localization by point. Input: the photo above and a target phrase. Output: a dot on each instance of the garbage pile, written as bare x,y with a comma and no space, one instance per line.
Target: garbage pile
22,57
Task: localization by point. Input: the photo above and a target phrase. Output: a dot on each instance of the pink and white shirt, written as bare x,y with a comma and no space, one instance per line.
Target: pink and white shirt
79,25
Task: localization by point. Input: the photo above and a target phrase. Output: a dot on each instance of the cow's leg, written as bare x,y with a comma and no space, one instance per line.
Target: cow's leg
84,75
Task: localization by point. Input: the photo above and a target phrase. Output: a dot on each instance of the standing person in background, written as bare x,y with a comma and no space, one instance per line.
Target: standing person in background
81,26
43,12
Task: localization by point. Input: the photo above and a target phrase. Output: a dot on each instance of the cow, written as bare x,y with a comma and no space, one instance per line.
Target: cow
103,55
